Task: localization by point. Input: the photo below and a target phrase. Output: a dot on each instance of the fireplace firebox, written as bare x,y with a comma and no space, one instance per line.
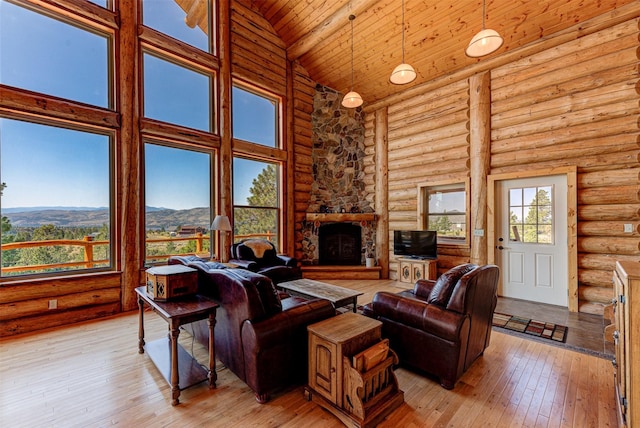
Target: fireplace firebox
340,244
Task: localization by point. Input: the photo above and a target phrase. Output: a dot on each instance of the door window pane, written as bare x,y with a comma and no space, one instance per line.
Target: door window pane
177,202
45,55
255,117
256,199
55,199
187,21
176,94
531,221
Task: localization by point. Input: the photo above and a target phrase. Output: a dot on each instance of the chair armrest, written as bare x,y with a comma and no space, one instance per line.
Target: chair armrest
245,264
418,314
288,261
423,287
281,327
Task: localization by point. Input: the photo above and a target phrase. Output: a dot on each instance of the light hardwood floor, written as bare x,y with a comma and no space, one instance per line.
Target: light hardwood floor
91,375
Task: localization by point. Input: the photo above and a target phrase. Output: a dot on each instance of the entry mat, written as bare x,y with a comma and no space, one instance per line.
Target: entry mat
545,330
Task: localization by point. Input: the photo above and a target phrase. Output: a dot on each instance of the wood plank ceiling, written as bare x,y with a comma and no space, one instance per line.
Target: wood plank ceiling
317,33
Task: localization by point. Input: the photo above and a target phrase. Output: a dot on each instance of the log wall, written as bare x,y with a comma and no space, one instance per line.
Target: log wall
577,104
573,104
428,140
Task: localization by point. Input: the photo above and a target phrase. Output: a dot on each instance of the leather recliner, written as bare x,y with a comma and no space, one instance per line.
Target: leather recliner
261,256
259,336
440,327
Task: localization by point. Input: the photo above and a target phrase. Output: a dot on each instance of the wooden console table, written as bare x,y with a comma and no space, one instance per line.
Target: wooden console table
179,368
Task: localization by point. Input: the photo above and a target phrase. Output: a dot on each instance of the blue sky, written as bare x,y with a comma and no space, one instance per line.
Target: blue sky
42,165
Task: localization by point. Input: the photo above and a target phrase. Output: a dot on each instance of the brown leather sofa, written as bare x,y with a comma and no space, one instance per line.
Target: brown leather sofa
259,336
440,327
260,255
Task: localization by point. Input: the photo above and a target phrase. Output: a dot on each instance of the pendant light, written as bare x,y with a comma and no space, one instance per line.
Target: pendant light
485,42
403,73
352,99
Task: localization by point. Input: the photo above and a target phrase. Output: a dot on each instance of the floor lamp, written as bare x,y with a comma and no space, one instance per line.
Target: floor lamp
220,223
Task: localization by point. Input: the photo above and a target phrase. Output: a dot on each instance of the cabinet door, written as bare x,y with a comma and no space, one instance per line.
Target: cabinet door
322,367
417,271
620,345
406,273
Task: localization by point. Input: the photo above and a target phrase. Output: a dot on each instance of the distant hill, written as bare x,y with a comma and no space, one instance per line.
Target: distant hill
156,218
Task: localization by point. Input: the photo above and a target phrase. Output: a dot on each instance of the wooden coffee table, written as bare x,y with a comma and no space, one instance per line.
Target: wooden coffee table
309,288
179,368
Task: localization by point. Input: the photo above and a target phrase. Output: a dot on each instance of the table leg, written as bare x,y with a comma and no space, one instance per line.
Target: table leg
212,375
140,326
355,304
175,376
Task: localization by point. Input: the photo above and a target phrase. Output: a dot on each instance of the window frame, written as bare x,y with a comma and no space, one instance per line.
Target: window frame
279,209
113,226
212,187
424,189
277,100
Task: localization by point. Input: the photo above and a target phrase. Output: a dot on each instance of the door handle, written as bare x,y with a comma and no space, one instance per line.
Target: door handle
500,247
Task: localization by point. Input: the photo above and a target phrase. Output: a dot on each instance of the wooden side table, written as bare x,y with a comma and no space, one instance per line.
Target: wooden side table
177,366
333,381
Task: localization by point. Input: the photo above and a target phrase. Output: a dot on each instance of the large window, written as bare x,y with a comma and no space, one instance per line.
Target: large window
177,202
189,25
55,199
255,117
256,199
47,55
177,94
445,210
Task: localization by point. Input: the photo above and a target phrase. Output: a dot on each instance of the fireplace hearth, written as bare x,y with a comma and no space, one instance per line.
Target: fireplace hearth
340,244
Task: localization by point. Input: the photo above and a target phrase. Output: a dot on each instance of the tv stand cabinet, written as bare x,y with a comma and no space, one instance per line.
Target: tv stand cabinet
412,270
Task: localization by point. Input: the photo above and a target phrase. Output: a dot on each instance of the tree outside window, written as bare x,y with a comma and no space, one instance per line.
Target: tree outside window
536,226
256,199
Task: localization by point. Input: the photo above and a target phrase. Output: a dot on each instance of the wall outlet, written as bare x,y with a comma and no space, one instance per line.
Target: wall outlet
628,228
53,304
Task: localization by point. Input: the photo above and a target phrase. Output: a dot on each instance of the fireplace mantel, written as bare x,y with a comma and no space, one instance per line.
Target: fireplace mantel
326,217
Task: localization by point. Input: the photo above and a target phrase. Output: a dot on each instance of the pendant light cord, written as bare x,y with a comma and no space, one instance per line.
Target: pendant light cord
351,18
403,31
484,13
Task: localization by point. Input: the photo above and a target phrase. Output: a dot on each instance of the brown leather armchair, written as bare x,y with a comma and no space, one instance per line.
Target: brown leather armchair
440,327
259,336
261,256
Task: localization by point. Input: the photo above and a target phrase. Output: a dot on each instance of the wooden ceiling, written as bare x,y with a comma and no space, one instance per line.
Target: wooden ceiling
317,33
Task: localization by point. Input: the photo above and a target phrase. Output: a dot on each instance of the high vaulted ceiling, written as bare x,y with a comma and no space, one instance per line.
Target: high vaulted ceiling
317,33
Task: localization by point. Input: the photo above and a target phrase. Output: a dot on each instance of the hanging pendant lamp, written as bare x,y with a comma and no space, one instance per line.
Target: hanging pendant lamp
485,42
352,99
404,73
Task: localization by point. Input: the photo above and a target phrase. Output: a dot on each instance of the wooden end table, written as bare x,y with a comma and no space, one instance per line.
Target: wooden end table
177,366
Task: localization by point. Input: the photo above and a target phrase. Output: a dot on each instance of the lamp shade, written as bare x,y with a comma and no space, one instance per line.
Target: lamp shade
352,100
402,74
484,43
221,222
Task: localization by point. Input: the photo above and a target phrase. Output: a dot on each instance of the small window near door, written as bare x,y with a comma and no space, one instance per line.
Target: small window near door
531,215
445,209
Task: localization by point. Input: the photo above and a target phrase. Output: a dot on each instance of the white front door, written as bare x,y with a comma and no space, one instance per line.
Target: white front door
531,235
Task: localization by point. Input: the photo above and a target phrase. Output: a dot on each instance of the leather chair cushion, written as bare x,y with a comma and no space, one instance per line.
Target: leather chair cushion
441,291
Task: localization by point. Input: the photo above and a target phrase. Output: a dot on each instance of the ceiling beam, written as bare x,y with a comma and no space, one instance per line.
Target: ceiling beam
327,28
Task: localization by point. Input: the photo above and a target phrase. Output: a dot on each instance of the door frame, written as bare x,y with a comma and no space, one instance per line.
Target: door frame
571,175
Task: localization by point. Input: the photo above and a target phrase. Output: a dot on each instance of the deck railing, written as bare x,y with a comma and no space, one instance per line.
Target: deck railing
88,244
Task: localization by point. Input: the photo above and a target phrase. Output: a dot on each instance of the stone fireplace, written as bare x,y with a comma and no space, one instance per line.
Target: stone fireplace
338,196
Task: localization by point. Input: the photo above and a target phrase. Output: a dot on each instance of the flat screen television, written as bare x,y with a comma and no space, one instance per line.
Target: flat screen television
419,244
